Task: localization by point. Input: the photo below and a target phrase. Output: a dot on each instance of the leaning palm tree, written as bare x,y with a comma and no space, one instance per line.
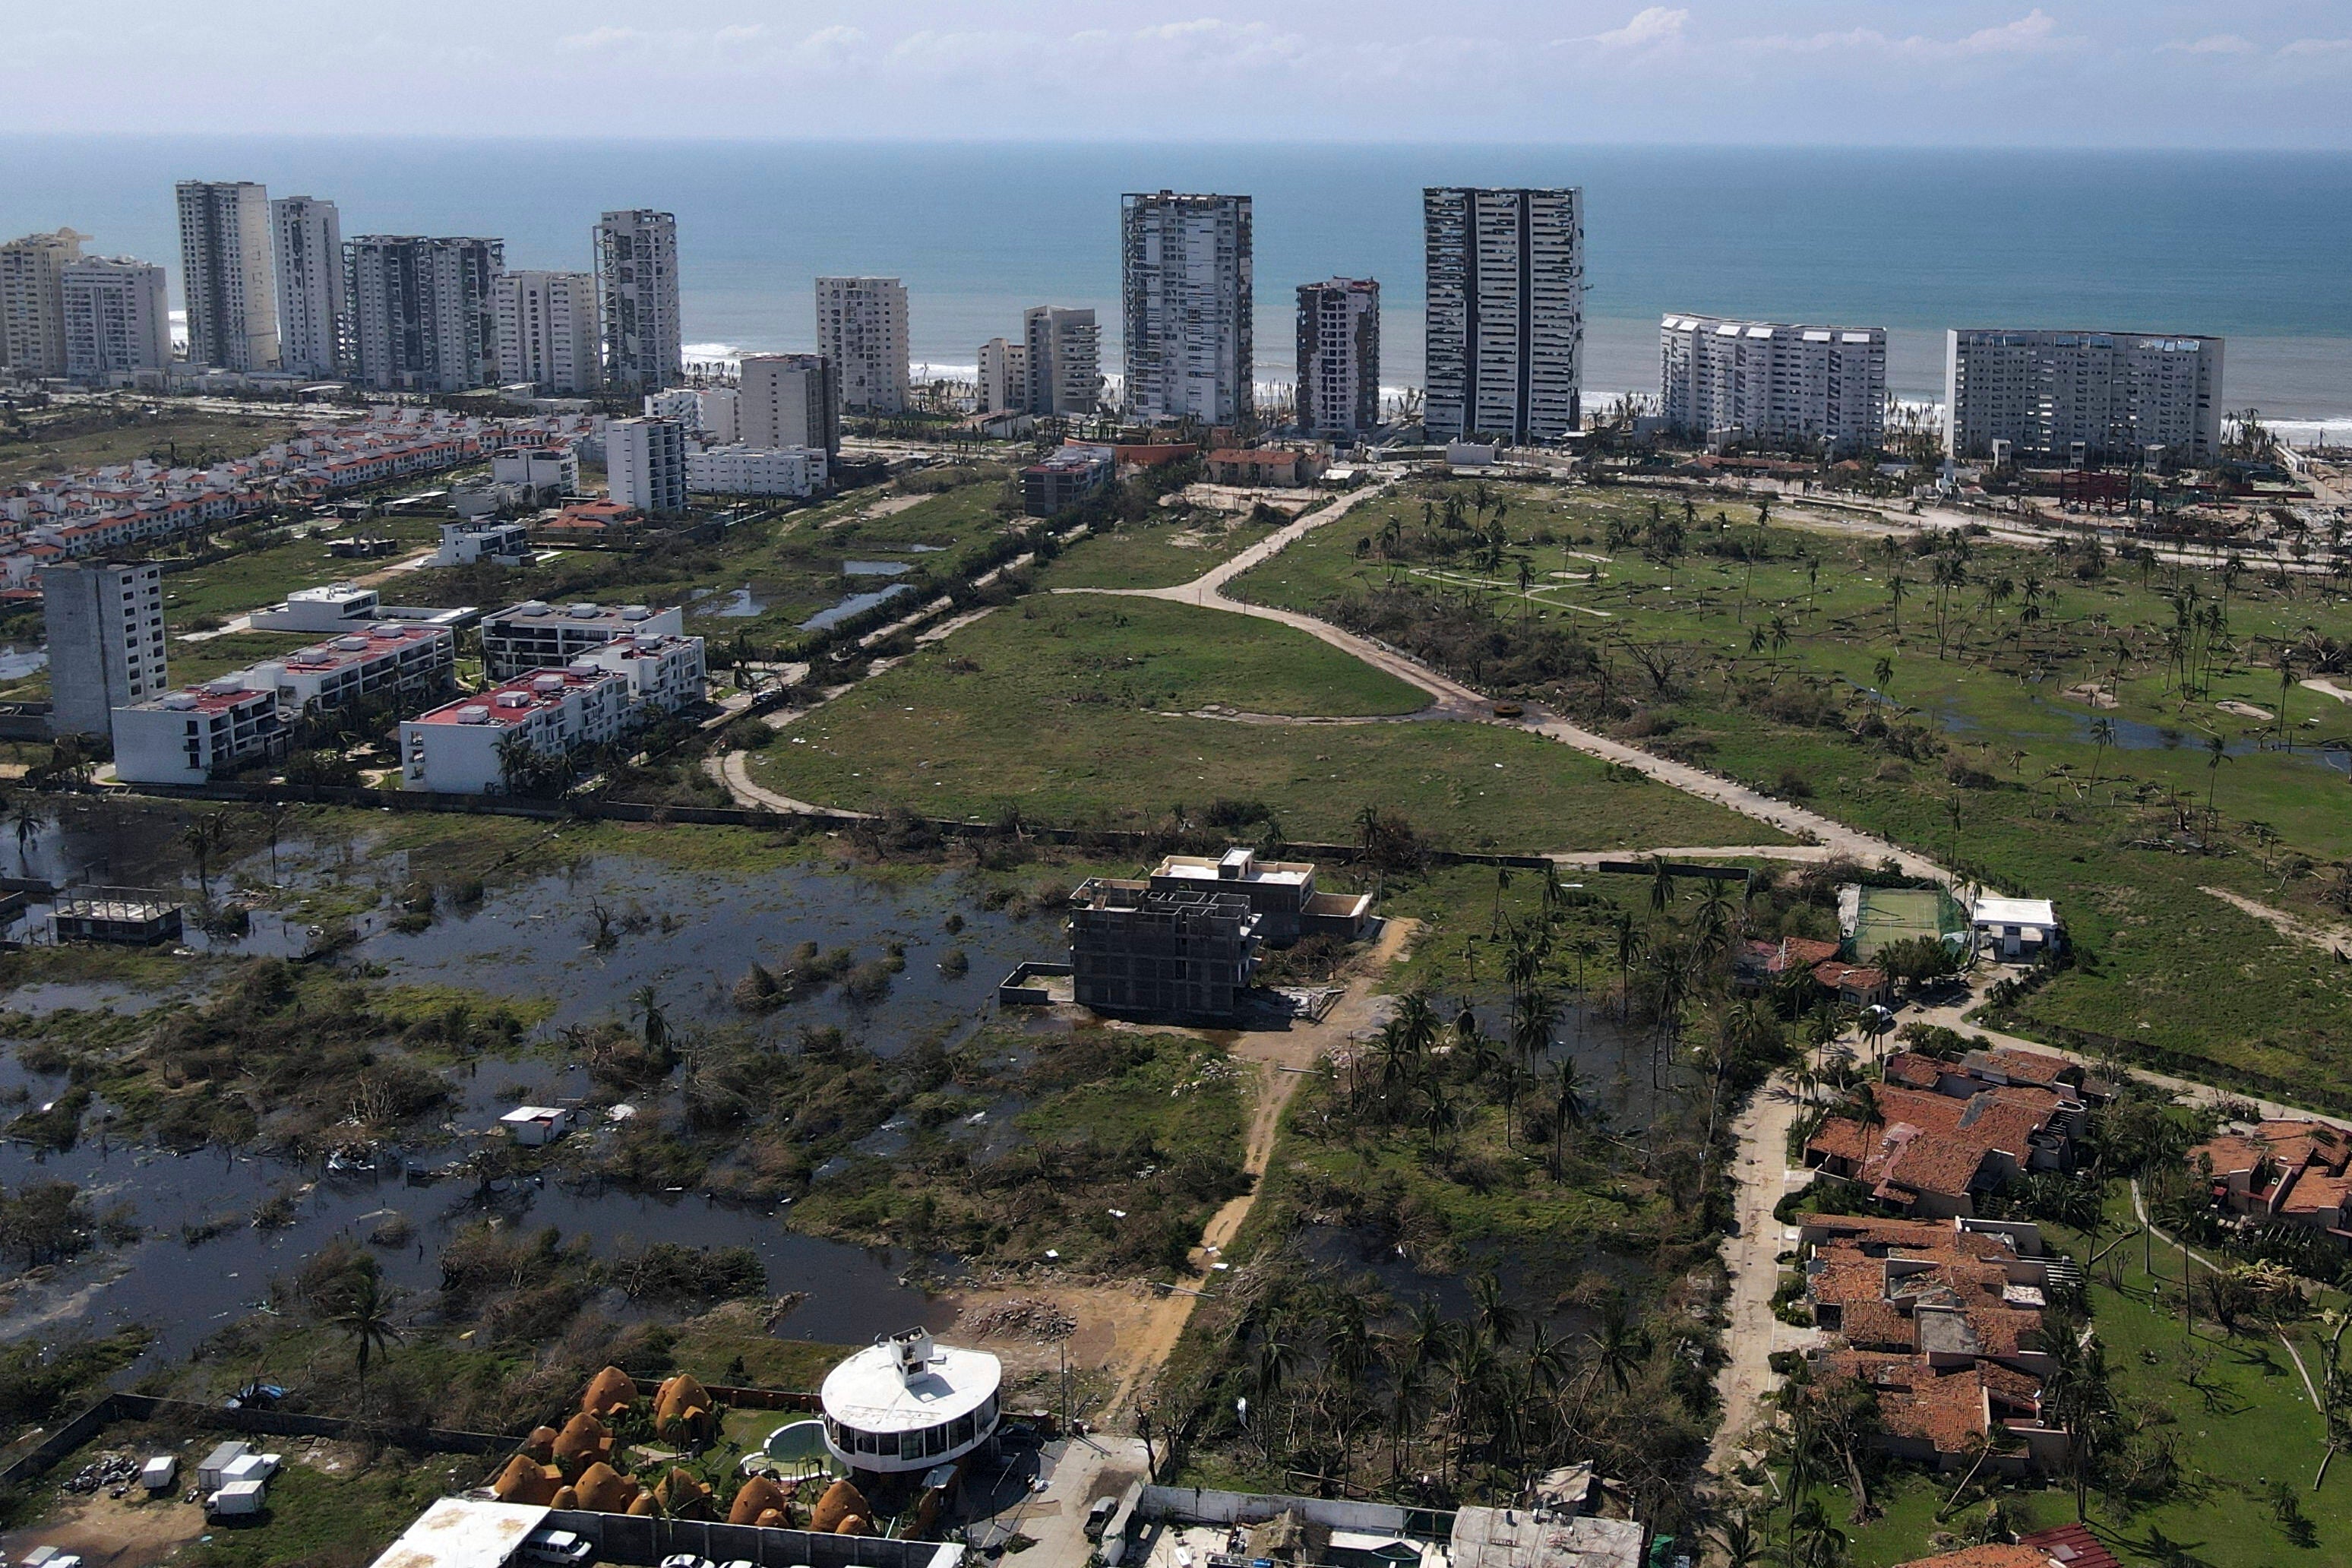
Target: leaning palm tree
645,1001
203,836
2103,736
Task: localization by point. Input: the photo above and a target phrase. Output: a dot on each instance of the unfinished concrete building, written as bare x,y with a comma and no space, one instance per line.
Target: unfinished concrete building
1188,953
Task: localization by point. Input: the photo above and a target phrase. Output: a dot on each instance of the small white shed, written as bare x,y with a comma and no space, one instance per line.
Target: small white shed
2016,929
532,1125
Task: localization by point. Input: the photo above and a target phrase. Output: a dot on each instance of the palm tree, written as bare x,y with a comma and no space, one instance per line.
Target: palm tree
2217,752
202,835
1617,1343
366,1321
1881,674
30,819
1662,884
2103,736
657,1025
274,818
1896,587
1629,947
1491,1310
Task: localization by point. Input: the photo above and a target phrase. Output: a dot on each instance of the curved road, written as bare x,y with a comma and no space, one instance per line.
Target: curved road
1455,699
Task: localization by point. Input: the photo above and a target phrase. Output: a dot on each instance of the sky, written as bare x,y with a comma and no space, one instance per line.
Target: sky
2110,73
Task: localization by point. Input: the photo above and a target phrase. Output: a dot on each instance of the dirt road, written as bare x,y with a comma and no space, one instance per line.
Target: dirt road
1282,1060
1751,1256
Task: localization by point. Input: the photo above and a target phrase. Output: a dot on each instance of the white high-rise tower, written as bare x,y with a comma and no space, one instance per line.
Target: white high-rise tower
306,248
636,274
225,275
1506,312
1185,275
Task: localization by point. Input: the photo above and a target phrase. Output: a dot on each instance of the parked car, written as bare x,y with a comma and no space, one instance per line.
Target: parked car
686,1560
558,1546
1098,1517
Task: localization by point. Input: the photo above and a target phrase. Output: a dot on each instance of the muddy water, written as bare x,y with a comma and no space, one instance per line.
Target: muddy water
692,936
688,935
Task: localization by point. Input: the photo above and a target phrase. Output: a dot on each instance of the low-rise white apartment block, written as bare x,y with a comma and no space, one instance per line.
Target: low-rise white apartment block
189,737
501,544
341,607
546,469
474,745
2094,396
665,671
117,317
1784,384
861,330
547,332
645,464
718,413
386,660
539,636
739,470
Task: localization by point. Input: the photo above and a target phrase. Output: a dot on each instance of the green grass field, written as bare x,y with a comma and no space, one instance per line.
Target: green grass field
2170,972
1060,708
1154,554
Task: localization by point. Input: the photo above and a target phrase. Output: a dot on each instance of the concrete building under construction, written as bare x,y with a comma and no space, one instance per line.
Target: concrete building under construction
1186,952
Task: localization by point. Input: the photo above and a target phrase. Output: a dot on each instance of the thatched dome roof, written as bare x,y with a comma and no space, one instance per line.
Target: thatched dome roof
608,1391
841,1500
759,1495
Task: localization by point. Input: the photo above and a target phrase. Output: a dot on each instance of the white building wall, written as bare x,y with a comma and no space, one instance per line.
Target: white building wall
739,470
307,253
105,630
188,737
1185,289
645,464
547,332
2116,392
1790,385
117,317
422,313
1339,357
787,400
1004,378
454,750
1063,361
637,279
1505,319
32,301
861,328
225,275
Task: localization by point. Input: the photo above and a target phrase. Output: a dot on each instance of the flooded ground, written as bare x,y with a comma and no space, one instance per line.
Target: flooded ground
854,604
688,935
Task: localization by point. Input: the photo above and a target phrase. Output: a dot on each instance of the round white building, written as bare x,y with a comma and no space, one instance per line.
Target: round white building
906,1404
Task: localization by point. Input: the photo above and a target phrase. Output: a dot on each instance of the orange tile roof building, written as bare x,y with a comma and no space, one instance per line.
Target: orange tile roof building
2293,1170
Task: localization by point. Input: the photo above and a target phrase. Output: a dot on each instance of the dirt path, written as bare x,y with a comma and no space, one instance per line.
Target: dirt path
1282,1059
1751,1254
2331,939
733,770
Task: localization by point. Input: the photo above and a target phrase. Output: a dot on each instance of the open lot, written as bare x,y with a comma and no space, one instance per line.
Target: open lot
1075,709
1755,651
56,441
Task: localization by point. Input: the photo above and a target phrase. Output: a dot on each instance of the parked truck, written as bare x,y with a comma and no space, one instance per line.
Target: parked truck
238,1499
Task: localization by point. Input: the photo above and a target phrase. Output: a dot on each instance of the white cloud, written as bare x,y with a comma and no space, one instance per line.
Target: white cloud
602,39
1655,25
2035,33
2212,44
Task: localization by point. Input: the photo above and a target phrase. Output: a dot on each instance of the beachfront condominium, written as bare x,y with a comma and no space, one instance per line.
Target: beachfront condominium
547,329
117,317
1803,388
225,275
787,400
1186,303
32,301
306,237
105,627
1001,378
1505,332
861,328
2100,396
1339,358
636,274
422,319
1063,361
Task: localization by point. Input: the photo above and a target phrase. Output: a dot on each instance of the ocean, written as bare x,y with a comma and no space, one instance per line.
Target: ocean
2249,246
